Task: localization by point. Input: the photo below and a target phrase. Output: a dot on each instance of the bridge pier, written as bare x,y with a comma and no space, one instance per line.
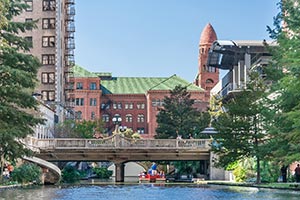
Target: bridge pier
119,170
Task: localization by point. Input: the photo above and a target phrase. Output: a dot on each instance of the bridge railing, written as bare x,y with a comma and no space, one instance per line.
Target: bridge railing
117,141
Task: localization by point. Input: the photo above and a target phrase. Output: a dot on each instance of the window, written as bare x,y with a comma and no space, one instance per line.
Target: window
48,95
48,59
48,41
93,102
79,86
141,130
92,115
93,86
29,5
48,77
128,106
48,5
28,20
140,118
117,105
78,115
157,102
105,106
79,101
209,81
48,23
105,118
140,106
29,41
128,118
209,68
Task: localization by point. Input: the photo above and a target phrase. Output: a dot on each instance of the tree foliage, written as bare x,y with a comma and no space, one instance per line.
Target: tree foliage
286,81
18,72
178,116
241,129
27,172
70,174
79,129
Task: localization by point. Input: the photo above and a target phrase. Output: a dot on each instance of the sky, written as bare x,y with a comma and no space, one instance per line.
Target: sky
159,38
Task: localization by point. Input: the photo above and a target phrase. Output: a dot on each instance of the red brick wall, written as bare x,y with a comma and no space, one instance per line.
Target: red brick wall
149,110
86,93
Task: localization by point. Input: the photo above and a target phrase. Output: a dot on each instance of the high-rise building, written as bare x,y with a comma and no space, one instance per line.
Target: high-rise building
53,43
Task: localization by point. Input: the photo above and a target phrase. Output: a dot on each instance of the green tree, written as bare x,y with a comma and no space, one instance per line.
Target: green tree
241,129
70,174
18,72
178,116
26,173
285,76
79,129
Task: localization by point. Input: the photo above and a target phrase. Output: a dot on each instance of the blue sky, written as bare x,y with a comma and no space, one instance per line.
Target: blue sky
159,38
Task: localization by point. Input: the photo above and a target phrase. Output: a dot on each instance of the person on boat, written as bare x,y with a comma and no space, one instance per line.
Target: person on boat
154,168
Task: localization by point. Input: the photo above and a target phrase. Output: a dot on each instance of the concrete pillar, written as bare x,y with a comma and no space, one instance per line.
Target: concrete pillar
119,171
214,172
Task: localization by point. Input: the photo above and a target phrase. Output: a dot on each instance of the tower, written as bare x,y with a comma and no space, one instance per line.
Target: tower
207,76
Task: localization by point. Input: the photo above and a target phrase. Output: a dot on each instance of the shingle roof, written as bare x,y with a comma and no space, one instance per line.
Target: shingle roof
138,85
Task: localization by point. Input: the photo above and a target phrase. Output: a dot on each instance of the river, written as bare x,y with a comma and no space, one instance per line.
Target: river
145,192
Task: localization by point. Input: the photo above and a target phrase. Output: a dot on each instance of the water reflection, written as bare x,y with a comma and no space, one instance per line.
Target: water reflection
145,192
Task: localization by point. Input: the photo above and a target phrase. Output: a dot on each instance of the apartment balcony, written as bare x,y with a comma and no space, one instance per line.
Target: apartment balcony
70,26
71,10
70,43
70,1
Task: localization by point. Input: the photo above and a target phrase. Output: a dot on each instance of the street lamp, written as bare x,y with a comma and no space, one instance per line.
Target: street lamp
117,121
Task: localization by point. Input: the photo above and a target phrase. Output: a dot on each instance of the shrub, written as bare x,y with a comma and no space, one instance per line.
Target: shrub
27,172
70,174
102,172
239,174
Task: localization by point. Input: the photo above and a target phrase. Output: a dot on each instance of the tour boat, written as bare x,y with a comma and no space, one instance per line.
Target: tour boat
151,178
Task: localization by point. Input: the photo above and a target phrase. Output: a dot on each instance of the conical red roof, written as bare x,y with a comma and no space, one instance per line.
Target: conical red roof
208,35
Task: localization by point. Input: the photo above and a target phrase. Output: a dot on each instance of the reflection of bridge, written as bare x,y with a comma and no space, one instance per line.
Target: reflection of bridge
120,150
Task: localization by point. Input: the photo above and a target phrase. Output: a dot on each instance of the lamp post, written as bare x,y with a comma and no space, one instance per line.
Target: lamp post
117,121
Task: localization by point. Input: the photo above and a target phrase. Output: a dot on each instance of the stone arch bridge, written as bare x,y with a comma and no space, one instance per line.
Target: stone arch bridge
120,150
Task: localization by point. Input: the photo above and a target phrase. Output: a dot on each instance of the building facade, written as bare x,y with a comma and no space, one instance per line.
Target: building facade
53,43
135,100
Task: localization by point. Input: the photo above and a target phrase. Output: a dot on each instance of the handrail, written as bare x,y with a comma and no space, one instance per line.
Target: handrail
117,141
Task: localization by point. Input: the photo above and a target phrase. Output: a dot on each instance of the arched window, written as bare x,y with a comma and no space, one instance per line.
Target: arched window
209,81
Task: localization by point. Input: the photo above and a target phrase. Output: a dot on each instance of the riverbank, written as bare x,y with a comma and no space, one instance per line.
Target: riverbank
281,186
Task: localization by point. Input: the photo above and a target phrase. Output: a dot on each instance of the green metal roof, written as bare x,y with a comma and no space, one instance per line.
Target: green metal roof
140,85
81,72
136,85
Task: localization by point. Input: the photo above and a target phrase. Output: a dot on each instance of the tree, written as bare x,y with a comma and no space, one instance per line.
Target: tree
286,82
27,172
79,129
241,129
178,116
18,72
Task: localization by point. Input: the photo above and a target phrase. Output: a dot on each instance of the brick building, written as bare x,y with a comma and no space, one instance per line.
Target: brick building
136,100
